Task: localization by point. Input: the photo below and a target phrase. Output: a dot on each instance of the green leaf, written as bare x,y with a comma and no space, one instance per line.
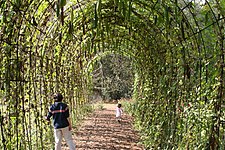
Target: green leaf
62,3
84,30
182,29
70,27
116,2
124,9
166,15
95,49
57,10
176,10
99,5
18,3
129,10
206,18
71,22
120,5
72,16
155,19
107,28
95,18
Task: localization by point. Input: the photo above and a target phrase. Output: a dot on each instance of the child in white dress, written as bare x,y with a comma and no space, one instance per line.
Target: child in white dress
119,112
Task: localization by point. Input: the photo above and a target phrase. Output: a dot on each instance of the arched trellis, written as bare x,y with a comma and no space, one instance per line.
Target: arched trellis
178,48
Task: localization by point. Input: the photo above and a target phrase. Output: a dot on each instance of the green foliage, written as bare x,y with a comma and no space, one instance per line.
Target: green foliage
113,77
99,106
175,49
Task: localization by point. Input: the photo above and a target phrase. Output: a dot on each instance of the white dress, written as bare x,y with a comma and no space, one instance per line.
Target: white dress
118,112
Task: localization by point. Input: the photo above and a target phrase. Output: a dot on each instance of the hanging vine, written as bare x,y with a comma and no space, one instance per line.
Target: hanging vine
177,51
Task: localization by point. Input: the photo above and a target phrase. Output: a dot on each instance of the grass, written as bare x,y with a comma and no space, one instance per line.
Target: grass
99,106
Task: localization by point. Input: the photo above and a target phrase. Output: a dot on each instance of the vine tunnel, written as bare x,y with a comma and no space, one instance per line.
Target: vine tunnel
177,50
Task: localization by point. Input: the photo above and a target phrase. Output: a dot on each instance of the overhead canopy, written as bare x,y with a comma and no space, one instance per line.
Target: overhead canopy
177,47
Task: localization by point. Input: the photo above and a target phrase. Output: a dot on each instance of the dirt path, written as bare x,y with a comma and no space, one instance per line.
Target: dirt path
101,131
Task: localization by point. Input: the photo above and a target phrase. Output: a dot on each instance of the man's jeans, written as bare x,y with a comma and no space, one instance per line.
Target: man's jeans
63,132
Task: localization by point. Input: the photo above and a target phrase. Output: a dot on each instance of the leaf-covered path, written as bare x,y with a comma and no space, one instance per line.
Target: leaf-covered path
101,131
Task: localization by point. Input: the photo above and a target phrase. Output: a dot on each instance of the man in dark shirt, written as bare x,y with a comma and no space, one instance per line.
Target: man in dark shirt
61,122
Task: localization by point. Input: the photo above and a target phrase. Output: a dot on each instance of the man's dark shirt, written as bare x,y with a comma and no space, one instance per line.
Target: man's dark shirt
60,113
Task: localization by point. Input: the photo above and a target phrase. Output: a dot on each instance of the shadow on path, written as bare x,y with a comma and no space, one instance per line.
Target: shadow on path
101,131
